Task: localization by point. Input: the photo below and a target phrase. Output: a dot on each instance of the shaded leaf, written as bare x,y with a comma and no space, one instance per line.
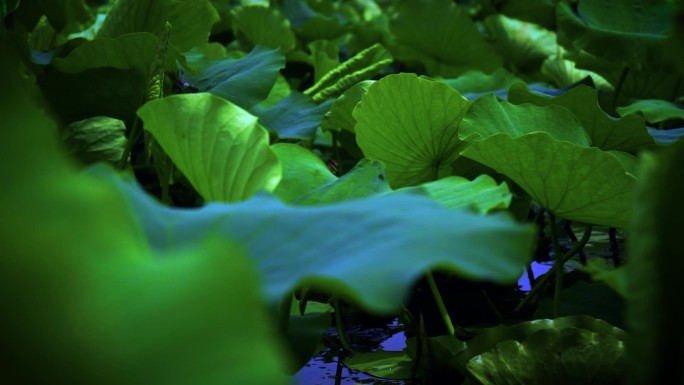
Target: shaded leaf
653,110
191,20
440,35
264,26
295,117
628,134
626,32
573,182
367,251
489,116
245,81
389,365
522,45
340,115
219,147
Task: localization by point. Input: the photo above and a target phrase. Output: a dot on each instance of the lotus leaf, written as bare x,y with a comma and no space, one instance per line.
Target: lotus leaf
573,182
564,357
96,139
523,45
218,146
623,31
654,111
303,171
627,134
191,21
295,117
263,26
340,115
410,124
440,35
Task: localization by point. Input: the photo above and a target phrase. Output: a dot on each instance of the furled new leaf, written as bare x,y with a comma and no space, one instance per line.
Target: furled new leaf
573,182
219,147
607,133
410,124
362,66
191,20
245,81
440,35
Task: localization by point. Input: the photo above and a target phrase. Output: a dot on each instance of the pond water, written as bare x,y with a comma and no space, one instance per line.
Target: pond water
324,368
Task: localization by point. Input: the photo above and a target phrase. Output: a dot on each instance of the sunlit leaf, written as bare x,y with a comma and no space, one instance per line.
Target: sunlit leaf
653,110
218,146
303,171
410,124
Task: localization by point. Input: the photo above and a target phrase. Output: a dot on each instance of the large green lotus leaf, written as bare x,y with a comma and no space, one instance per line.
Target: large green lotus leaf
362,66
245,81
628,134
410,124
263,26
489,116
219,147
489,337
295,117
133,51
340,115
369,251
653,110
480,82
654,282
191,20
481,195
96,139
523,45
622,31
559,357
573,182
73,253
367,178
440,35
303,171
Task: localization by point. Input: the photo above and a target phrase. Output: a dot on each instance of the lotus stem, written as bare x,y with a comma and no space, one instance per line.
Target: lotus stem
338,325
440,304
542,281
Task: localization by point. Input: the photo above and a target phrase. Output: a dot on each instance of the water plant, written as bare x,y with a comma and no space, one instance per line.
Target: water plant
194,191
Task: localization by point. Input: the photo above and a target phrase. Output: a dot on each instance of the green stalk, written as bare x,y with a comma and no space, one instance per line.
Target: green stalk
542,281
338,325
558,265
440,304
